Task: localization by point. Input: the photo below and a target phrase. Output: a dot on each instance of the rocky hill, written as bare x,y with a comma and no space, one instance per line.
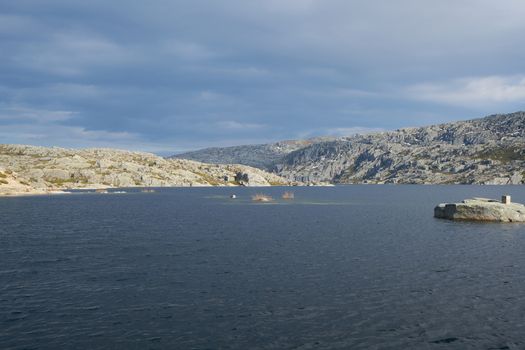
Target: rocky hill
489,150
30,169
263,156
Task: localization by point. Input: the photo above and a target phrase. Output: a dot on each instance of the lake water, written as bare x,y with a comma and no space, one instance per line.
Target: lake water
349,267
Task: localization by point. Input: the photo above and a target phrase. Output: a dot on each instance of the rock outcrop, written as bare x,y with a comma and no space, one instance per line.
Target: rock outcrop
482,151
40,170
489,150
481,209
12,185
263,156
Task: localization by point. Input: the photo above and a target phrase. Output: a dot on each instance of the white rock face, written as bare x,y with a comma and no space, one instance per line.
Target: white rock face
480,209
11,184
49,169
56,174
490,150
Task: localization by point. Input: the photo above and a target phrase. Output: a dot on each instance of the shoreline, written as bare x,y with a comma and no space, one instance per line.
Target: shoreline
31,193
66,191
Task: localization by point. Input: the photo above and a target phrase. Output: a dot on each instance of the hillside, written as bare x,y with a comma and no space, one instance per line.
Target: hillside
30,169
488,150
263,156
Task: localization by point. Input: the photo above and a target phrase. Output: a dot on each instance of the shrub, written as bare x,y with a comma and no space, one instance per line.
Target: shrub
259,197
288,195
503,154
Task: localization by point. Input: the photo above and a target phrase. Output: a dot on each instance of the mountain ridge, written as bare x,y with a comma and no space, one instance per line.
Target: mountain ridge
261,156
488,150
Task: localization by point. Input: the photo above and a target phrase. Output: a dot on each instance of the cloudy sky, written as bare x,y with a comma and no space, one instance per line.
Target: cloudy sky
168,76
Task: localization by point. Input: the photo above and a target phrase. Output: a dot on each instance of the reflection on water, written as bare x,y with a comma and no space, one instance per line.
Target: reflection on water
354,267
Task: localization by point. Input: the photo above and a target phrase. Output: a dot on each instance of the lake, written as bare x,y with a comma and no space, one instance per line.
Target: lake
345,267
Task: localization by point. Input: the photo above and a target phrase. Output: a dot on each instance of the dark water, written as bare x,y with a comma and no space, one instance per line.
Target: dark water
356,267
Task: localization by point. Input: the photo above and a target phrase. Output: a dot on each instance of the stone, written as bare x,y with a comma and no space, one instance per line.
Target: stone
56,174
104,163
481,209
35,173
74,162
516,179
131,167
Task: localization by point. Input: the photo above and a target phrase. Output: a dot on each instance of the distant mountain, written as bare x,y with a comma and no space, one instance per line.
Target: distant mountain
263,156
488,150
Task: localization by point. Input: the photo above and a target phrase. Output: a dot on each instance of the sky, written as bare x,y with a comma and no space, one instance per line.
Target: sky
168,76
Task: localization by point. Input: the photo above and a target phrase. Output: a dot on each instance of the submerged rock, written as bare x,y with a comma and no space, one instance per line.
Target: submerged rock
482,209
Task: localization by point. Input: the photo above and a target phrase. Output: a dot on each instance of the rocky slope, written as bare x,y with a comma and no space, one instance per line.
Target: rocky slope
263,156
11,184
30,169
489,150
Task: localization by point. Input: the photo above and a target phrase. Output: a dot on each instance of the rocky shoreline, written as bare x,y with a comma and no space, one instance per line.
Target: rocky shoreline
32,170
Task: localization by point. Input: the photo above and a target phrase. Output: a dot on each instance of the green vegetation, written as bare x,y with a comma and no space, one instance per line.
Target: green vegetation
63,182
347,175
276,183
503,154
210,179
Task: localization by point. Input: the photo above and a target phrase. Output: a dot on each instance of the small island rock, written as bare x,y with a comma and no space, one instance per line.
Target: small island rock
481,209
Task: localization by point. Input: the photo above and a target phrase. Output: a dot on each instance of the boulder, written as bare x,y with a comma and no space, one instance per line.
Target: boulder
120,180
36,174
131,167
104,163
255,179
56,174
481,209
74,162
89,174
516,179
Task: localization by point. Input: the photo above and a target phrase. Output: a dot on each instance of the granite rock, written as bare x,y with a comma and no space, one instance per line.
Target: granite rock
480,209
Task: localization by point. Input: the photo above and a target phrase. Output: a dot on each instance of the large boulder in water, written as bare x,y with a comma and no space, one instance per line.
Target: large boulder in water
481,209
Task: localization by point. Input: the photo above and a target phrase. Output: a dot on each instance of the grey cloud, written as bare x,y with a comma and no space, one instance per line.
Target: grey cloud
179,74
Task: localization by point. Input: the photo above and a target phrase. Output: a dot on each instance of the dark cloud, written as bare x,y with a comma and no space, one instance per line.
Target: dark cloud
174,75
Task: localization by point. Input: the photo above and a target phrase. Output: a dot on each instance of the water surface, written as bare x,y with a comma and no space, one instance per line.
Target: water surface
350,267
